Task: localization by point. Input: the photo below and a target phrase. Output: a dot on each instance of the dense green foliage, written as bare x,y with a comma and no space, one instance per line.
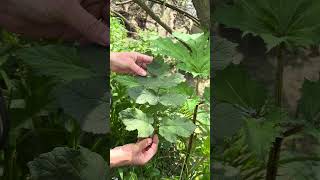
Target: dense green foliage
252,127
164,103
57,103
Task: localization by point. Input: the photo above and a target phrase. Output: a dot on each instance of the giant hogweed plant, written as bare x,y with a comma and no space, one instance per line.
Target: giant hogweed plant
164,103
283,25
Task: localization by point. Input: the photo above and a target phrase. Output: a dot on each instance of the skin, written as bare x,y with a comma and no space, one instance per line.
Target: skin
134,154
129,63
84,21
142,151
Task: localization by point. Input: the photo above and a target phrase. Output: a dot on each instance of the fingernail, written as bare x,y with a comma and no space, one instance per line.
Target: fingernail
143,73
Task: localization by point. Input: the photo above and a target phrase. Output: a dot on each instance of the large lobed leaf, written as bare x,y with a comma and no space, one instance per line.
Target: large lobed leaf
174,127
233,85
71,164
170,127
196,62
260,134
57,61
145,89
135,119
276,21
82,71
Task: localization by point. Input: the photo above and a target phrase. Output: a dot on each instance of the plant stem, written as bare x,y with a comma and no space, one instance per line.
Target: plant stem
194,19
279,77
274,153
158,20
194,119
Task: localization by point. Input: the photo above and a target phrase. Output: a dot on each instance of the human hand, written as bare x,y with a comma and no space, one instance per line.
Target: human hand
134,154
66,19
129,62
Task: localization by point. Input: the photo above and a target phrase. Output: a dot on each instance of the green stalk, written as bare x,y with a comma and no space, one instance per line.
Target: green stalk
274,153
194,119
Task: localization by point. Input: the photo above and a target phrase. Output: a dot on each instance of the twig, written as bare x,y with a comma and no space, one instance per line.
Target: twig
158,20
123,2
134,29
194,19
153,15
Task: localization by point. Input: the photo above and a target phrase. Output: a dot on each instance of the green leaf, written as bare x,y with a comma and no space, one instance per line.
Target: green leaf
296,24
223,52
87,100
272,41
147,97
61,62
172,99
233,85
158,67
135,119
128,81
164,81
228,120
259,135
196,62
309,104
174,127
206,94
71,164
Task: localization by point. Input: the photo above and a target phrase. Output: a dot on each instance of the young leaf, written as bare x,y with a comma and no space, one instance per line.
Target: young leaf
174,127
67,163
135,119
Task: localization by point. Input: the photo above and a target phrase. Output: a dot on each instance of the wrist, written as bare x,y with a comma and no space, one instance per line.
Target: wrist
119,157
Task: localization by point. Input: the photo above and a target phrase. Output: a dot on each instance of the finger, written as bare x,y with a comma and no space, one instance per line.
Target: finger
94,7
153,148
87,24
155,142
143,144
143,65
143,58
137,69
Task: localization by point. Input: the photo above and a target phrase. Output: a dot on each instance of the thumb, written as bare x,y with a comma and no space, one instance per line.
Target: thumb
137,69
87,24
144,143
